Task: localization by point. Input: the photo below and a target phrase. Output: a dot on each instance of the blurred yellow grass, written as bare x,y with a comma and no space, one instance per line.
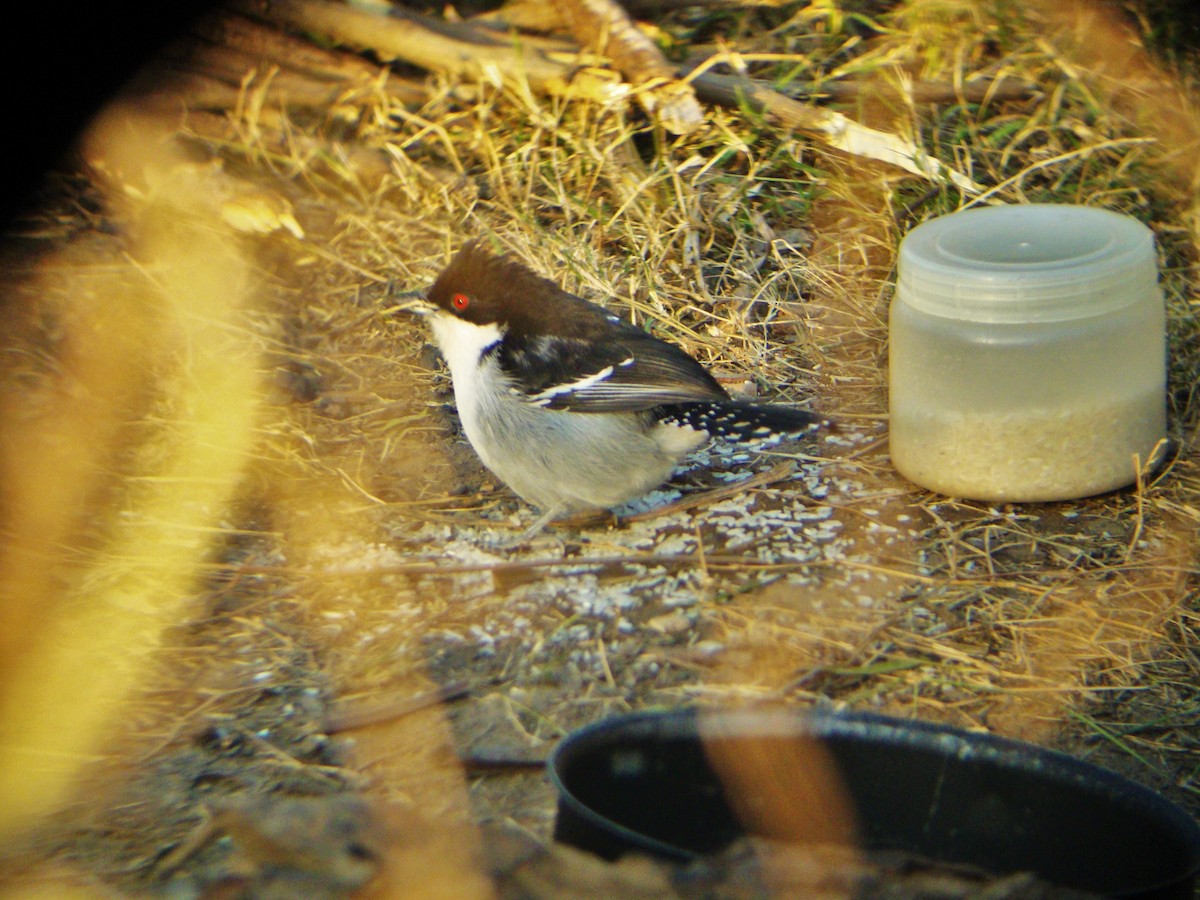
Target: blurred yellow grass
166,344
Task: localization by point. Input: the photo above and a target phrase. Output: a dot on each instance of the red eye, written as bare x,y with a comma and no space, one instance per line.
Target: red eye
460,301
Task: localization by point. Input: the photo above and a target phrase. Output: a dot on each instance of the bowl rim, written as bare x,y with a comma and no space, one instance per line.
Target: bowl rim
690,721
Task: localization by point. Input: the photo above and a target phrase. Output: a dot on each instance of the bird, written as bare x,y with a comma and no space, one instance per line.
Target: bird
570,406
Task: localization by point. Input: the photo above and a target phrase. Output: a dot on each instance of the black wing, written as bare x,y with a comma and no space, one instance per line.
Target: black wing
627,372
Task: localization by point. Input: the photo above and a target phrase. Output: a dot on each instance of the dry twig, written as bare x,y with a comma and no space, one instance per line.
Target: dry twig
462,51
604,24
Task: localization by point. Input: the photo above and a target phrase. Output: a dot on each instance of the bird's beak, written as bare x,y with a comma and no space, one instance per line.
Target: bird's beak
410,302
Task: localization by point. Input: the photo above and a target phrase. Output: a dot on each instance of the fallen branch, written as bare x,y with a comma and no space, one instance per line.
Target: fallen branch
832,127
460,50
605,25
455,49
936,92
230,55
249,38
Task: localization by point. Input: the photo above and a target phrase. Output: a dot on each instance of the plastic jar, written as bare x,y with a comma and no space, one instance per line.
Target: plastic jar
1028,353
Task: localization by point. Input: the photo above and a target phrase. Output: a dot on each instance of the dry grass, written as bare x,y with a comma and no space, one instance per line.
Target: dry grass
370,549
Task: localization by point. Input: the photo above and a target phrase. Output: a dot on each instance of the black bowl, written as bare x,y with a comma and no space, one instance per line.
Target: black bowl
645,782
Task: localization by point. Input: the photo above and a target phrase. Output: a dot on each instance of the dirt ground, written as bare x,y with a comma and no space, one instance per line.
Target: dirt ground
269,629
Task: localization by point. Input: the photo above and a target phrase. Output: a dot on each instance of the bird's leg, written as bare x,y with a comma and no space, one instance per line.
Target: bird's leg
542,521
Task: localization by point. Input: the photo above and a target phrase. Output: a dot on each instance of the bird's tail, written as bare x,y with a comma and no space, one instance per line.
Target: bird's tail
747,422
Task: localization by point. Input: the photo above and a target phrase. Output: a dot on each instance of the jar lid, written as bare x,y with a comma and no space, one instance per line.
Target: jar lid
1039,262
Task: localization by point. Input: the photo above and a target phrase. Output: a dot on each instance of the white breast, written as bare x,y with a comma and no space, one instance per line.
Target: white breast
462,345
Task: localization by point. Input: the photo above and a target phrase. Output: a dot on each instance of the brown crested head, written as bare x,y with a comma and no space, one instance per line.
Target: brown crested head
485,288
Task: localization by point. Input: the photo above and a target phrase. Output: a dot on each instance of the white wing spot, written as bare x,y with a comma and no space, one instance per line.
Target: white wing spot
541,398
